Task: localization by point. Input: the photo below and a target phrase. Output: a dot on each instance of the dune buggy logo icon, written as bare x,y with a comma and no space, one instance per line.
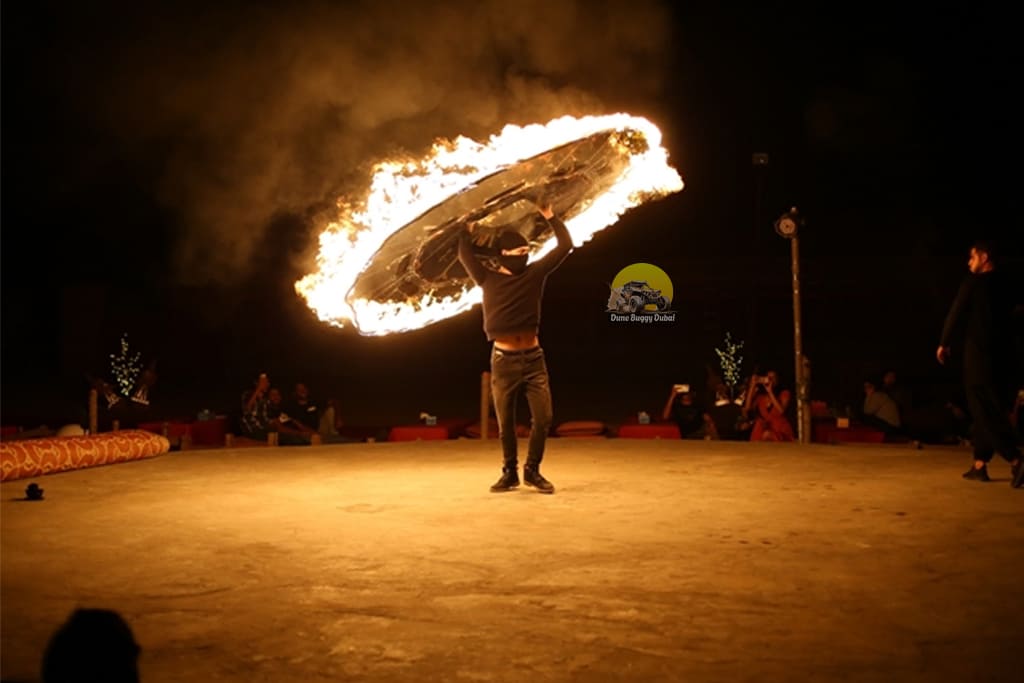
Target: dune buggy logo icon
641,293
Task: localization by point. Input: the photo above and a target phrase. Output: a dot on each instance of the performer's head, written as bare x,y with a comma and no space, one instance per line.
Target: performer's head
515,251
983,257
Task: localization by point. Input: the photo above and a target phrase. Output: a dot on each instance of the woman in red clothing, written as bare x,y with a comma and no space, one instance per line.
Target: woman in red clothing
768,409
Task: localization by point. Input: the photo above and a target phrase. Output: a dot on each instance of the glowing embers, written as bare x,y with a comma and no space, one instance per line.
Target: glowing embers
392,266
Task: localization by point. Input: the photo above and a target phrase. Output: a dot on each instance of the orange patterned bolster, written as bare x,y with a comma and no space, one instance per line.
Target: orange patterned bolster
33,457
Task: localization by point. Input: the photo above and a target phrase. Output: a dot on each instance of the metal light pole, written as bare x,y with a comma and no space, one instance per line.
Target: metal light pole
787,226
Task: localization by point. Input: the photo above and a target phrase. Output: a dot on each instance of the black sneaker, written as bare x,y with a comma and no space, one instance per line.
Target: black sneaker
509,480
533,477
975,474
1017,480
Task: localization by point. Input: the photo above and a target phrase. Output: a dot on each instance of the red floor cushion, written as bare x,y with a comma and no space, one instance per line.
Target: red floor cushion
829,433
418,433
209,432
660,430
579,428
34,457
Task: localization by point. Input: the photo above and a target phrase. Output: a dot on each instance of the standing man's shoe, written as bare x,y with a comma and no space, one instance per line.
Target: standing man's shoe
508,481
533,477
977,473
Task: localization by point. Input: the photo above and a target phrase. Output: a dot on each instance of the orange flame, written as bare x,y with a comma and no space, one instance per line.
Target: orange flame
401,191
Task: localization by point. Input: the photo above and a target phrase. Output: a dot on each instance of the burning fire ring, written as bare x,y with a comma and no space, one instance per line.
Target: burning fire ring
389,263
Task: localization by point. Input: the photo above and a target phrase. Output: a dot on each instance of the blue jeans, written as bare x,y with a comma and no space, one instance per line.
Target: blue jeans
511,372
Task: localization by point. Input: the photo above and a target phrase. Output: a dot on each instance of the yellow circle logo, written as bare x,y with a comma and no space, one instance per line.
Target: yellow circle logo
640,287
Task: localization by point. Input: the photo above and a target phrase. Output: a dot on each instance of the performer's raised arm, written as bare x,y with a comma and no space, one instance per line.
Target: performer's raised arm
469,261
554,258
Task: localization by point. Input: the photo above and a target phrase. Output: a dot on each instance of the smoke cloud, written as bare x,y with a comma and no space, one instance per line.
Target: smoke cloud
248,112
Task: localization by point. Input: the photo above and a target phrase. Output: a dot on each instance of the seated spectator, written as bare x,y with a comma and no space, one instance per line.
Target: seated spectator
726,415
880,410
255,422
303,409
688,414
767,404
290,432
320,416
897,392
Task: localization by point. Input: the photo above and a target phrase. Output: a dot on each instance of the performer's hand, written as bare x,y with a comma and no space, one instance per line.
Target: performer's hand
942,354
545,210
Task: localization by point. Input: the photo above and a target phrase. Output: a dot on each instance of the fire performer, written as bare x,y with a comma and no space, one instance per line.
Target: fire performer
982,312
511,309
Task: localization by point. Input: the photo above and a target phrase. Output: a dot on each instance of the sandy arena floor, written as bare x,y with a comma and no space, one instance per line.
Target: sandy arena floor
654,561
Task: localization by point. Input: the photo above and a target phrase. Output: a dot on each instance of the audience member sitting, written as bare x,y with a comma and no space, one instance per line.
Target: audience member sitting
320,416
290,432
880,410
255,422
692,420
726,415
302,409
767,404
897,392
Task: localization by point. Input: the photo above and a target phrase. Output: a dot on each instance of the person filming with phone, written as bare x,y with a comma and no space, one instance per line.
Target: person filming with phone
683,408
767,404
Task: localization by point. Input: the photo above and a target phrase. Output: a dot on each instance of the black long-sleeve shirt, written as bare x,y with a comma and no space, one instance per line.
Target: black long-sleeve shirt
983,313
512,302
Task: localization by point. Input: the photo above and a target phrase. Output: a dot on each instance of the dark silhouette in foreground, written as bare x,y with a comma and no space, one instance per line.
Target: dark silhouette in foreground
92,646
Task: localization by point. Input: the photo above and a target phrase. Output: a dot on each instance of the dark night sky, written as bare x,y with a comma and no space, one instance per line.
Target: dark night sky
166,171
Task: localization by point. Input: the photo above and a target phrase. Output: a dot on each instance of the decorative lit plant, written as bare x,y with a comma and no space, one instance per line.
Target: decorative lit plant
731,361
125,367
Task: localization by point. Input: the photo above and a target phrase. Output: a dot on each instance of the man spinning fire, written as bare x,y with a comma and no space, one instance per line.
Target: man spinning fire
512,296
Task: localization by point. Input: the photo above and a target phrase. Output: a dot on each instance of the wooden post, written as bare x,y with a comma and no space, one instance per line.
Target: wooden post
94,411
808,422
802,407
485,403
115,425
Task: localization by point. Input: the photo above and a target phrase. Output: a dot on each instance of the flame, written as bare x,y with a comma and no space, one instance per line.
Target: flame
400,191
